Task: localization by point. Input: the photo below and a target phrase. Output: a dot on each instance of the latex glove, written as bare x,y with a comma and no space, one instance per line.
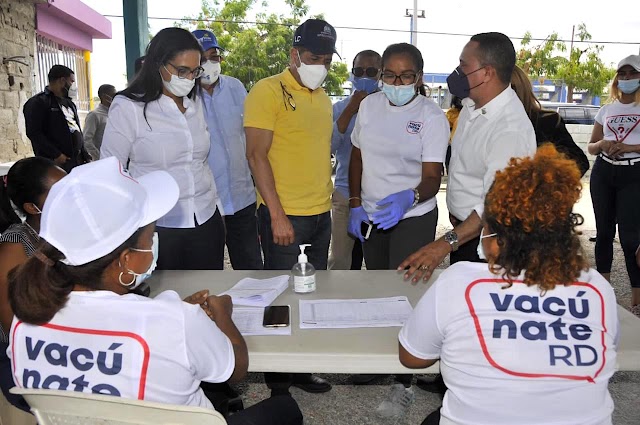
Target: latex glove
396,205
357,216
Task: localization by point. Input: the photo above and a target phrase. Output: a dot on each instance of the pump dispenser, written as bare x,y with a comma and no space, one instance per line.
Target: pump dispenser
304,274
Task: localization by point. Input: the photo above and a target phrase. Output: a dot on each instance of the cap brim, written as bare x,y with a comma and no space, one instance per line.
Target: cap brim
323,51
162,195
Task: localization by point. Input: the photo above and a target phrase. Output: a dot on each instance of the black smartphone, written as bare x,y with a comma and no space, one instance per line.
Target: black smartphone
276,316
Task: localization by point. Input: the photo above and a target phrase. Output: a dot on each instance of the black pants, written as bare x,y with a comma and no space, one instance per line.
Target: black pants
313,229
242,239
615,193
278,410
433,418
195,248
386,249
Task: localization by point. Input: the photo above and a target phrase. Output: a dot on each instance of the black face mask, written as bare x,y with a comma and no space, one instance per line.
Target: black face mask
458,83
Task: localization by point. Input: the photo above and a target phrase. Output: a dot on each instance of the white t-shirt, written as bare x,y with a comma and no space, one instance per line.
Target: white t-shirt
485,140
135,347
395,141
513,356
621,123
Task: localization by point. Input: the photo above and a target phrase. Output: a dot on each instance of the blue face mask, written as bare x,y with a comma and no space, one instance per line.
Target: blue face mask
364,84
399,95
628,86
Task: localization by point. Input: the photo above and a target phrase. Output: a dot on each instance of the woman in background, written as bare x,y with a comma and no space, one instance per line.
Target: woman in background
548,125
615,178
26,186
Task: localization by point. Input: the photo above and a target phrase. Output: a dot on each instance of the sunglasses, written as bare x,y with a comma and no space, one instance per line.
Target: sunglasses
370,71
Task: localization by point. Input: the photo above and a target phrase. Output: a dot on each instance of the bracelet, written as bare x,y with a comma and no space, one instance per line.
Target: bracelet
354,197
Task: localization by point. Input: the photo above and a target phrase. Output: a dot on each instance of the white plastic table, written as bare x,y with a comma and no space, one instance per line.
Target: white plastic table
360,350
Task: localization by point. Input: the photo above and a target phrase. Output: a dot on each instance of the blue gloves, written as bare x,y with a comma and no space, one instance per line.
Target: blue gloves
397,205
356,217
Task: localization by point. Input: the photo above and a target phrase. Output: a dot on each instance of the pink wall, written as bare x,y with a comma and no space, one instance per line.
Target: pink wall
72,23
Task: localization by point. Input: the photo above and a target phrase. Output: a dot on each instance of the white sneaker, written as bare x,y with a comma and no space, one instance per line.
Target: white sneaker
397,403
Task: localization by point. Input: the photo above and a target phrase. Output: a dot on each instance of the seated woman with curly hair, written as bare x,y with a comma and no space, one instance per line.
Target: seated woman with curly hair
531,338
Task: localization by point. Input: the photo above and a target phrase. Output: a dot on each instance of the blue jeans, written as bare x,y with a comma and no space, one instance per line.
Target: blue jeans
313,229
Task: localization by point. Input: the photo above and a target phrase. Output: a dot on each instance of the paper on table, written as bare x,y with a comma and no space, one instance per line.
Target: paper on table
248,320
257,292
358,313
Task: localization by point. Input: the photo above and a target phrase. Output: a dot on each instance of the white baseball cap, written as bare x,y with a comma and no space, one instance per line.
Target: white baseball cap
98,206
633,60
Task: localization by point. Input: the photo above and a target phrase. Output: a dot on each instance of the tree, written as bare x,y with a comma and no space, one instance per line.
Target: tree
584,70
540,61
256,51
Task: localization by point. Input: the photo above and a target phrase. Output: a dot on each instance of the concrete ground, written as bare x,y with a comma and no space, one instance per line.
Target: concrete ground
347,404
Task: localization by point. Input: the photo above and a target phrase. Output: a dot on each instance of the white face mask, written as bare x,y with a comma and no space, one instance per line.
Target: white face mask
141,277
480,247
211,72
312,76
178,86
73,91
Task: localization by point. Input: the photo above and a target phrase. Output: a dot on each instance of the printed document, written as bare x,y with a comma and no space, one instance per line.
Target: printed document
358,313
257,292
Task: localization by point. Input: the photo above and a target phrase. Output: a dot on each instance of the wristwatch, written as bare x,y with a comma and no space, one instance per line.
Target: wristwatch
451,237
416,198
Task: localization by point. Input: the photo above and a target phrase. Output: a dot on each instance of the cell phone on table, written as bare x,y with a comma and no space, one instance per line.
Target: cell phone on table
365,229
276,316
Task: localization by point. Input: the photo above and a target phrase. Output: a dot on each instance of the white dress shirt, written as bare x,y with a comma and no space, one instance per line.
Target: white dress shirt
484,142
165,140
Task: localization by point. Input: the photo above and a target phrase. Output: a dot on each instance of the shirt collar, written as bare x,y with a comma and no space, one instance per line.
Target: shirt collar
492,108
289,80
168,102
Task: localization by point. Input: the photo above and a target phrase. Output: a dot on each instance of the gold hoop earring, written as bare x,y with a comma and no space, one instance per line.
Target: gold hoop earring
126,285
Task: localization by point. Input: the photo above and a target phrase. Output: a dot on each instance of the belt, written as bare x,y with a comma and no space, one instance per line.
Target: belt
629,161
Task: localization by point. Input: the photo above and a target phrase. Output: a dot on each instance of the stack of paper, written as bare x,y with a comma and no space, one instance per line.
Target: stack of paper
248,320
257,292
359,313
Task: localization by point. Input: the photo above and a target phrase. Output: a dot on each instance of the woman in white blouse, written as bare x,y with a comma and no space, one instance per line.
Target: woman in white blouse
156,124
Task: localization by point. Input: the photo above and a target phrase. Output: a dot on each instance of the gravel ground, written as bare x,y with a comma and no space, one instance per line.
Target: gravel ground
347,404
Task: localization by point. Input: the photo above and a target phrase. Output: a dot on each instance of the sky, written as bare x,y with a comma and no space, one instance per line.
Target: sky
440,52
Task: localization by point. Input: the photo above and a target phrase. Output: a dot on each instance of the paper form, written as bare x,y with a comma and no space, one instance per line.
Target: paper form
354,313
257,292
248,320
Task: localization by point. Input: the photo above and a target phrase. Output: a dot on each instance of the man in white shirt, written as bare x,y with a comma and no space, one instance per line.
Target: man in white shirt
96,121
493,127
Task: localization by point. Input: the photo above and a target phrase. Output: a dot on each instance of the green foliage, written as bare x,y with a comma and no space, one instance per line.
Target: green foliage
253,52
583,70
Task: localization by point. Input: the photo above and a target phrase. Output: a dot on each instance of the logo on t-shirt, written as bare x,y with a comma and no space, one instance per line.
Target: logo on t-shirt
559,335
83,360
622,125
414,127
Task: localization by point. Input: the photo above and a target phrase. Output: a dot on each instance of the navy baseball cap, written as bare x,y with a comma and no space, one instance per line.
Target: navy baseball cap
207,39
316,35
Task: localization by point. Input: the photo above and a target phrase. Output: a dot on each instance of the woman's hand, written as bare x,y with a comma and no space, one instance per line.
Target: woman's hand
617,149
219,306
605,146
198,298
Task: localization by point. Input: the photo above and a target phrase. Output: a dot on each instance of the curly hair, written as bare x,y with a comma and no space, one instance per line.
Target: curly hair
529,206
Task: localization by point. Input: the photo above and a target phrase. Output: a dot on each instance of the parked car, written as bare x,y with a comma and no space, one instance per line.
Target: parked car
573,113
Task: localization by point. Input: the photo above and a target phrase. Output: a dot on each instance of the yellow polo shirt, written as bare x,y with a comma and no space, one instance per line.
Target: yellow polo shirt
300,153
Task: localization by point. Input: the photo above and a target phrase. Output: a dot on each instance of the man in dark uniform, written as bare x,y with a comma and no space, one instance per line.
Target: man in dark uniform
52,121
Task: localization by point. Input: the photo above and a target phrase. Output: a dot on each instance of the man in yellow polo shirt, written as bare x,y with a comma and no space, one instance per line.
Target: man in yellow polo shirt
288,124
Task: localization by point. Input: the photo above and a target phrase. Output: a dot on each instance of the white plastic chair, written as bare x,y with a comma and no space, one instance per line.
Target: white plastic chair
53,407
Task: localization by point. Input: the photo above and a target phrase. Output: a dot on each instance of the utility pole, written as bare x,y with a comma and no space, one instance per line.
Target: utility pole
414,15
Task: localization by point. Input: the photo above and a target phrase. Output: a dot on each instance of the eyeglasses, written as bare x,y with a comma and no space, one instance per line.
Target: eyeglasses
184,72
288,99
406,78
370,71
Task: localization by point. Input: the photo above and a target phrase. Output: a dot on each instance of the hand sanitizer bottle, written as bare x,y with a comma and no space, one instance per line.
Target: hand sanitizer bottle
304,274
